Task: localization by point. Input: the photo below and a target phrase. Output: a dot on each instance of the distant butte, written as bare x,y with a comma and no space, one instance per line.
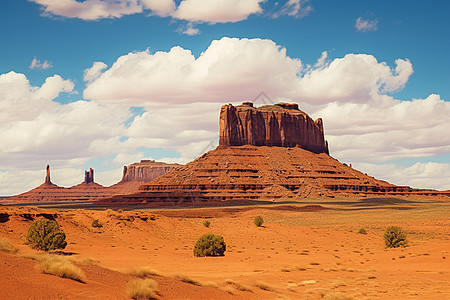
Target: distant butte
134,176
274,152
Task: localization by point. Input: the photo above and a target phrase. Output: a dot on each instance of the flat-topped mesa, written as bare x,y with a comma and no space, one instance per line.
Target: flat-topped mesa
146,170
89,176
282,124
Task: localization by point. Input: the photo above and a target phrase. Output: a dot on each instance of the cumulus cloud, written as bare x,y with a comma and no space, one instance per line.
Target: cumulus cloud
34,128
188,29
241,69
217,11
37,64
95,71
208,11
363,25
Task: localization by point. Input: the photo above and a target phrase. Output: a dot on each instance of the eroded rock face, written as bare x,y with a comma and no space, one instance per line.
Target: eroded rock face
146,170
89,176
282,124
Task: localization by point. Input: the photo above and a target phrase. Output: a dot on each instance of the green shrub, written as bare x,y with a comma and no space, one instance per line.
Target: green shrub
209,245
96,224
394,237
362,231
206,223
259,221
45,235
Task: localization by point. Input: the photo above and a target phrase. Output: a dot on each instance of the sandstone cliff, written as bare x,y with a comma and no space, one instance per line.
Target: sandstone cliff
282,124
146,170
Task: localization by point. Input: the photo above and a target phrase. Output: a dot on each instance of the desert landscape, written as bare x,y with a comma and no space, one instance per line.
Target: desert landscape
320,232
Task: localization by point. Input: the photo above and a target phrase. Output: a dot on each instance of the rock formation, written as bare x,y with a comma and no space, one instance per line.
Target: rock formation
89,176
47,177
282,124
267,153
88,190
146,170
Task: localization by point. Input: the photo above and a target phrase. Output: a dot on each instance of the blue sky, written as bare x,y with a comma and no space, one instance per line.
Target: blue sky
337,59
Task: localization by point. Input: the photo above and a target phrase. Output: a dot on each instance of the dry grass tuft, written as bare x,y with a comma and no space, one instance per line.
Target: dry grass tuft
230,290
264,286
142,289
5,246
59,266
238,285
90,261
336,296
187,279
209,284
144,272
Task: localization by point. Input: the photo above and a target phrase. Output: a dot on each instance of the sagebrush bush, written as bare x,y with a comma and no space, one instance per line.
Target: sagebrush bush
259,221
210,245
362,231
45,235
59,266
142,289
206,223
394,237
96,224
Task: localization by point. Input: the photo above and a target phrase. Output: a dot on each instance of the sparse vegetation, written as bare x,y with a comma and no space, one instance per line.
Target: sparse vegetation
238,285
259,221
394,237
264,286
206,223
59,266
5,246
142,289
362,231
45,235
96,224
187,279
144,272
209,245
120,210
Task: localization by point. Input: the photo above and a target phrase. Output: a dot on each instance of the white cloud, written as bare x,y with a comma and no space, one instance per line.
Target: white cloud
294,8
430,175
189,29
366,25
95,71
208,11
37,64
89,9
217,11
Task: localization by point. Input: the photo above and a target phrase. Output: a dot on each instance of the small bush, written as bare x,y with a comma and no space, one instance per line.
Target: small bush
259,221
264,286
142,289
394,237
120,210
209,245
5,246
45,235
238,285
59,266
144,272
362,231
206,223
96,224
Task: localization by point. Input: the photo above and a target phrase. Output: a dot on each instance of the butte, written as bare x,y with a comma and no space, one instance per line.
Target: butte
272,153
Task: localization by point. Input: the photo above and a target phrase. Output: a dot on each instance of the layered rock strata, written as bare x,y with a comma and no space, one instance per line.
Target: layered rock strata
282,124
260,173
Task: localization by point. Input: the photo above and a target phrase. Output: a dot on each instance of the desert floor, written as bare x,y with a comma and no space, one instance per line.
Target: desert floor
309,249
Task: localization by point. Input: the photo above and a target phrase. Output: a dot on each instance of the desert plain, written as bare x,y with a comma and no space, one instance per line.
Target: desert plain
305,249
